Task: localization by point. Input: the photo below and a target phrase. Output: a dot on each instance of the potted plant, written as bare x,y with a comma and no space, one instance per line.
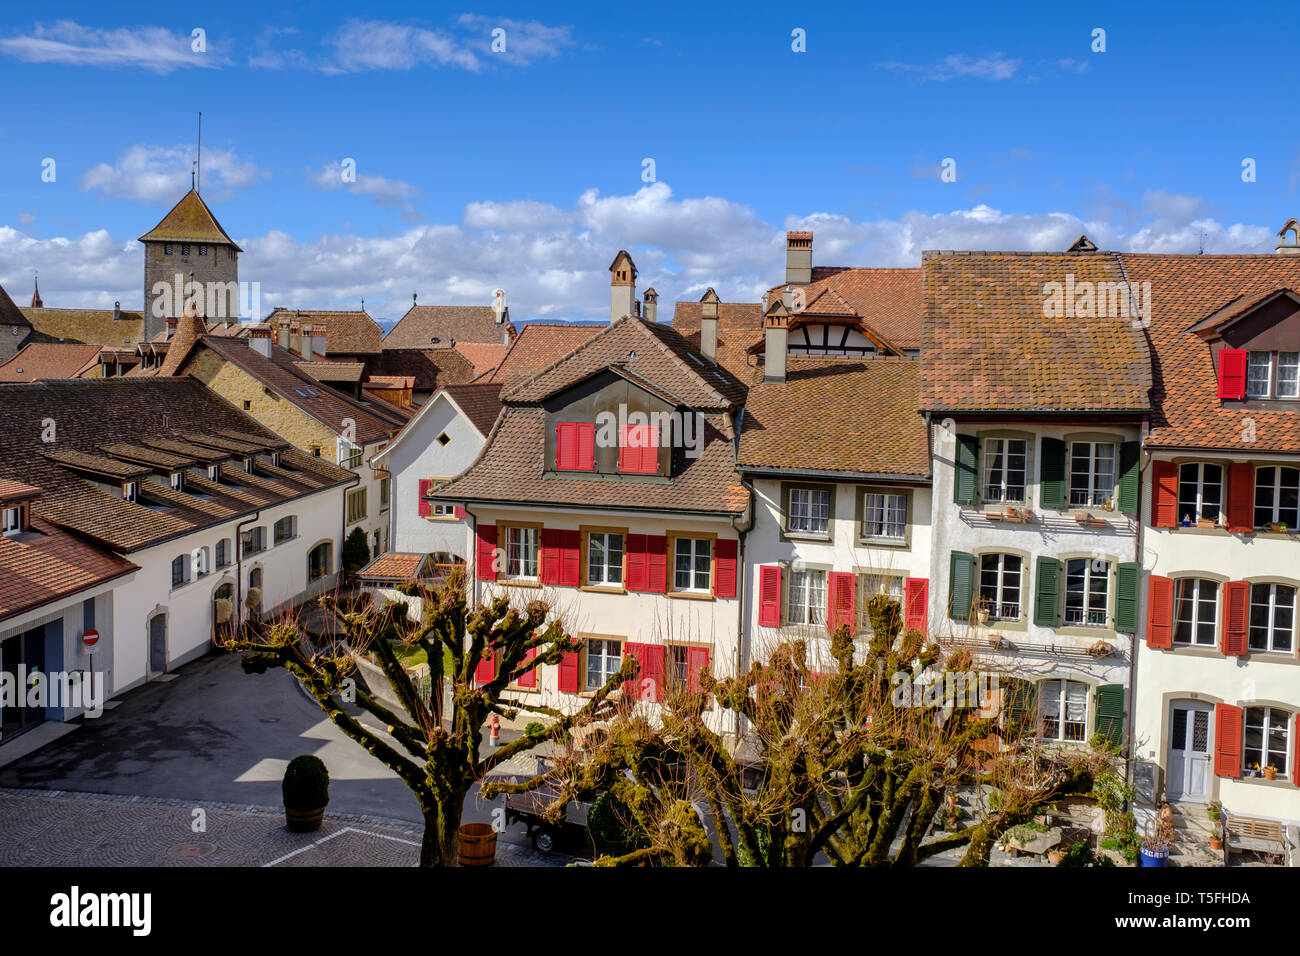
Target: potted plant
982,612
1278,527
306,790
1216,838
1081,517
1187,521
1154,851
1270,772
1205,522
1057,853
1214,810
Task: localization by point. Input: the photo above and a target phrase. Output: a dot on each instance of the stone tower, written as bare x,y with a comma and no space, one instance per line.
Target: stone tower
189,245
622,287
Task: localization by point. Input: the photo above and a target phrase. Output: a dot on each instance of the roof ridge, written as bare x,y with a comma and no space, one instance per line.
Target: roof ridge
564,358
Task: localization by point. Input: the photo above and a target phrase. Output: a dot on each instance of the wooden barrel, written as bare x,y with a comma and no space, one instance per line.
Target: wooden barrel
478,844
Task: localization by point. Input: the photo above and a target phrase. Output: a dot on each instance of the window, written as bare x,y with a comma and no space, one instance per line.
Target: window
1004,470
167,249
200,559
248,405
884,516
130,490
178,481
1062,710
1092,472
1266,738
1000,586
1196,605
605,559
275,460
443,439
807,604
13,521
1259,374
180,570
1277,496
203,250
809,511
214,472
385,489
223,552
1087,584
1200,491
185,249
692,564
1288,374
284,529
521,553
356,505
604,658
1272,617
638,449
318,561
250,464
871,585
252,541
679,668
349,454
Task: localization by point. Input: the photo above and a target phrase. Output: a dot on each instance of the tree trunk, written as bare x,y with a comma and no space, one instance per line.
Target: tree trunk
441,844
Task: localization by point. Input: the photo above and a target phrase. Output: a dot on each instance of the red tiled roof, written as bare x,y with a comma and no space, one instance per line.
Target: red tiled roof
484,356
431,368
347,331
394,566
740,327
539,346
889,300
49,360
47,563
426,325
480,403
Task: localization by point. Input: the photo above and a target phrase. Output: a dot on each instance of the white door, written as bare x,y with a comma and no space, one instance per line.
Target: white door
1190,733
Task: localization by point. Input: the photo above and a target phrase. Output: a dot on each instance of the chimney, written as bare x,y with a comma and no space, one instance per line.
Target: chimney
284,334
651,310
501,314
117,311
307,342
622,286
319,340
776,333
171,328
709,325
1291,248
798,258
259,340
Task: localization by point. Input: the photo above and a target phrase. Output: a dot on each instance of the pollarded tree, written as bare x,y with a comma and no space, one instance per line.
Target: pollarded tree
435,753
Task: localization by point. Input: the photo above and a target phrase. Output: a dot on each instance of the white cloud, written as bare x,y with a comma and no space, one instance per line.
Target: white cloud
552,259
992,66
381,45
151,48
162,173
381,190
526,41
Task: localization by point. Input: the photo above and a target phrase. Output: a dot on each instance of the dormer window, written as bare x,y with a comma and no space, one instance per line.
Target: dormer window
275,459
1257,374
214,472
638,450
575,446
248,465
178,481
12,521
130,491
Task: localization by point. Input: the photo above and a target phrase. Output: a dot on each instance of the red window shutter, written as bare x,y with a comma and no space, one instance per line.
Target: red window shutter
425,506
1227,740
1164,494
697,659
566,445
1236,617
1160,613
916,600
1295,735
586,449
529,678
839,600
638,449
656,563
1232,373
650,451
769,595
634,558
569,673
724,567
637,652
485,553
485,671
1241,496
460,513
652,672
568,554
550,543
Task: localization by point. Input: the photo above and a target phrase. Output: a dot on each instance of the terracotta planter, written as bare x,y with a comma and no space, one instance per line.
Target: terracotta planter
304,821
1216,843
1270,772
478,844
1055,857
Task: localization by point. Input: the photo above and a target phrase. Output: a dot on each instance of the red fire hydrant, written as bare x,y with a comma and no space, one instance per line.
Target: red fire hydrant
494,730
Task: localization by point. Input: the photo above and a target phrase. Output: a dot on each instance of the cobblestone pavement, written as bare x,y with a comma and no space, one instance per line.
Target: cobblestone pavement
63,828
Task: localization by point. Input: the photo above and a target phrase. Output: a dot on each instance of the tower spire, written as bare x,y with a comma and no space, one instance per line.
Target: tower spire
198,160
36,292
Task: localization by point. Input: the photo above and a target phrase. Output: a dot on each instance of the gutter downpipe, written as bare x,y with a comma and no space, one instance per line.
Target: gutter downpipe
743,524
239,563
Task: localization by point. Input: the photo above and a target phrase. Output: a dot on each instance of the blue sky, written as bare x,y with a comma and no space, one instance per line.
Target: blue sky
524,170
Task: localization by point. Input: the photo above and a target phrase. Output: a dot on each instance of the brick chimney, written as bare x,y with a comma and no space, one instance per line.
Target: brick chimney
259,340
709,325
622,286
1291,248
798,258
171,328
284,334
776,335
650,303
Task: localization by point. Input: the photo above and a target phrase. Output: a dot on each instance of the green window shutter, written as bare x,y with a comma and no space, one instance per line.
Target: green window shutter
1051,479
965,488
1047,592
1110,713
1128,477
1020,700
961,585
1127,578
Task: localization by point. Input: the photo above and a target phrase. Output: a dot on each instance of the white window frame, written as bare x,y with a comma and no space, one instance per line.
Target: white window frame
696,548
13,521
883,514
178,481
806,598
604,573
1253,366
1270,606
1274,721
1092,616
1198,620
1200,483
607,663
1274,490
869,584
521,553
130,491
181,564
1063,706
1091,496
1001,587
1000,448
809,518
1291,365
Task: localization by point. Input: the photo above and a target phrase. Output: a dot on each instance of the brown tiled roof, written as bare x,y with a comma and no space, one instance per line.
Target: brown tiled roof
1187,412
189,330
538,346
423,324
989,347
483,356
347,332
480,403
10,314
281,374
11,490
176,414
394,566
655,353
47,563
510,466
333,371
889,300
190,220
740,327
91,326
431,368
818,419
49,360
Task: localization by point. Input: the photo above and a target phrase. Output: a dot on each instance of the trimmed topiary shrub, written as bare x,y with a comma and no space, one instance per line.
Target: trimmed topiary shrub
306,784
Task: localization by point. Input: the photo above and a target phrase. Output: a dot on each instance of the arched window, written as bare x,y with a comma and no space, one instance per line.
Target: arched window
1196,607
1200,491
1272,618
318,561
